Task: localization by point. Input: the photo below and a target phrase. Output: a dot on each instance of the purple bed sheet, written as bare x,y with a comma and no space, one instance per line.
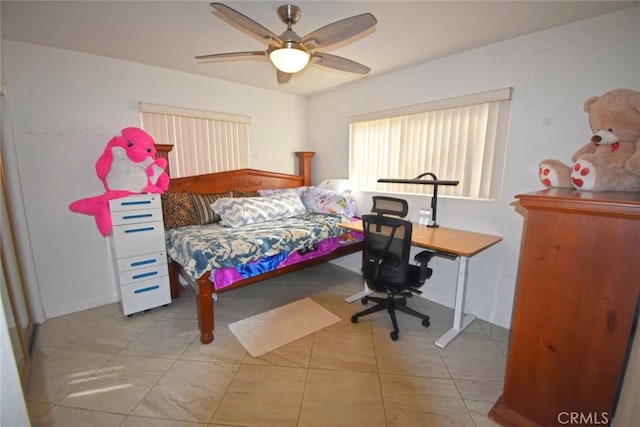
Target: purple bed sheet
225,277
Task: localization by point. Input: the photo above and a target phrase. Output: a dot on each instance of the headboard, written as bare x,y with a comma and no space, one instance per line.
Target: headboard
240,179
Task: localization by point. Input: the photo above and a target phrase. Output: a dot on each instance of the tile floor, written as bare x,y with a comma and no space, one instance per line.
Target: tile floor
99,368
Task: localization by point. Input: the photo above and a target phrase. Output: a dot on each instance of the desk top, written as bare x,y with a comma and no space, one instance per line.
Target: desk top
458,242
607,203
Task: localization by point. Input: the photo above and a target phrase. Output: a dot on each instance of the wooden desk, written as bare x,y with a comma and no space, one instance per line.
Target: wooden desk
457,243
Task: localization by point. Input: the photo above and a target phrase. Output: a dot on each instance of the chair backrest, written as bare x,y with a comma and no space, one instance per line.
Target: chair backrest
387,243
383,205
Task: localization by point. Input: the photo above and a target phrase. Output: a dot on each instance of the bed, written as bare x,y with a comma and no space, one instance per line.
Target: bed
229,264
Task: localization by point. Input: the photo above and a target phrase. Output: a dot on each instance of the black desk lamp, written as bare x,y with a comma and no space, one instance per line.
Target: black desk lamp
418,180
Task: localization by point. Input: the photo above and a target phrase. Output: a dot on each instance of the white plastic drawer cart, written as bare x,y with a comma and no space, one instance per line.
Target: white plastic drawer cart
139,253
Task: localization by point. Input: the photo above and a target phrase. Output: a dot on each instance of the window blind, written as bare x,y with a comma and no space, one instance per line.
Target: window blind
204,141
460,139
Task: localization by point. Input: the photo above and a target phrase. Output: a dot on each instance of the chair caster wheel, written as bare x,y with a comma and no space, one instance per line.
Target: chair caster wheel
426,323
364,301
394,336
354,319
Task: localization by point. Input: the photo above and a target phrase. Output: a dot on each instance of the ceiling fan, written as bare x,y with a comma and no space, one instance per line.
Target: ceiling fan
289,52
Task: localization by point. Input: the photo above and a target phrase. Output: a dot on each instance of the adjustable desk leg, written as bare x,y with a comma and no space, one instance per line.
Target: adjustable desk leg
356,297
460,320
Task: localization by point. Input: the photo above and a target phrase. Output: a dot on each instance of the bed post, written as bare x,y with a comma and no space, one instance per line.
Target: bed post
205,309
162,152
174,281
304,165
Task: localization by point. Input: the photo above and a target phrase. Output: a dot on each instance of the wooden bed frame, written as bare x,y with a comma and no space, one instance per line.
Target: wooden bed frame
241,180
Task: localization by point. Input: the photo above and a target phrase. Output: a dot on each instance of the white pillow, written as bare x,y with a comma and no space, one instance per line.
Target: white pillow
297,190
235,212
340,185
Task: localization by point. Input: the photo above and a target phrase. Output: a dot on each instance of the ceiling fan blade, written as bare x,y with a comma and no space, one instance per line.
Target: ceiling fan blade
339,63
283,77
340,30
247,23
233,55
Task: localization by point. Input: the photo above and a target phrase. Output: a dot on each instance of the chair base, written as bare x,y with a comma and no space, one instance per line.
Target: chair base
391,304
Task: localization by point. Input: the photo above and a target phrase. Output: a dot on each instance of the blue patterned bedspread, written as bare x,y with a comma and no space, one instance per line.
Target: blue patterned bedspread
200,248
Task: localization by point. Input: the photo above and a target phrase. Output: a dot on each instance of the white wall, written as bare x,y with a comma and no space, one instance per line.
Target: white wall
552,73
66,106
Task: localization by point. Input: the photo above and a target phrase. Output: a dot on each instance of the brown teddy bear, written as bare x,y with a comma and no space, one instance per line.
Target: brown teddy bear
610,161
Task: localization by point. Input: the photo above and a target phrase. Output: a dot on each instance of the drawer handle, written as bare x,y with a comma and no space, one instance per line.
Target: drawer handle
147,215
141,202
143,262
150,288
137,230
140,276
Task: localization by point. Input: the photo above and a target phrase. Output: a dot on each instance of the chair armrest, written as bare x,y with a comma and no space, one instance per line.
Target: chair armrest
424,257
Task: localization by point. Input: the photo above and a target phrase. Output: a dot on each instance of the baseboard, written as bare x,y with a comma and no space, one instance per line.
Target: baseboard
61,310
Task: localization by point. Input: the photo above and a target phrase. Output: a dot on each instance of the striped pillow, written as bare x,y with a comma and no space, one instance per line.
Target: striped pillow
202,203
251,210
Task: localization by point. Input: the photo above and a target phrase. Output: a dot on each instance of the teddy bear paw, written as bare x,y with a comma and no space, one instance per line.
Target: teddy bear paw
547,176
583,175
553,174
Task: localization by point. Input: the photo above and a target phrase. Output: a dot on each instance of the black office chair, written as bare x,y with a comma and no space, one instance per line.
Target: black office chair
386,267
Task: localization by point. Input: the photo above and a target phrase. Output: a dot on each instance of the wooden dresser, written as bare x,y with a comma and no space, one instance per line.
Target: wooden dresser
577,295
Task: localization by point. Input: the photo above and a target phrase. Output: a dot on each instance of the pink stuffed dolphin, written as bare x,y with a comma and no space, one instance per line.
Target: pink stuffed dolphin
127,166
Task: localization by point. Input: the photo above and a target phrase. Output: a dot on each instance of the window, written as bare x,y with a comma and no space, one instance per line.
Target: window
461,139
203,141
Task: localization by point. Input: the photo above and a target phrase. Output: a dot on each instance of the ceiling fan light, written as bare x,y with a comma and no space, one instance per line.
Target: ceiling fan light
290,59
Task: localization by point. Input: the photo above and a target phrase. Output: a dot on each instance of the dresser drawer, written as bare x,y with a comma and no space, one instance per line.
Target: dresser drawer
142,261
145,295
133,240
137,202
140,274
136,216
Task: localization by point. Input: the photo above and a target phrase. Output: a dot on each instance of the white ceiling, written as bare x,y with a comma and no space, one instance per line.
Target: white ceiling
170,34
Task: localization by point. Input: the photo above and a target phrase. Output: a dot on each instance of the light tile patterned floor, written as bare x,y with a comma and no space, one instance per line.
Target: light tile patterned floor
99,368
